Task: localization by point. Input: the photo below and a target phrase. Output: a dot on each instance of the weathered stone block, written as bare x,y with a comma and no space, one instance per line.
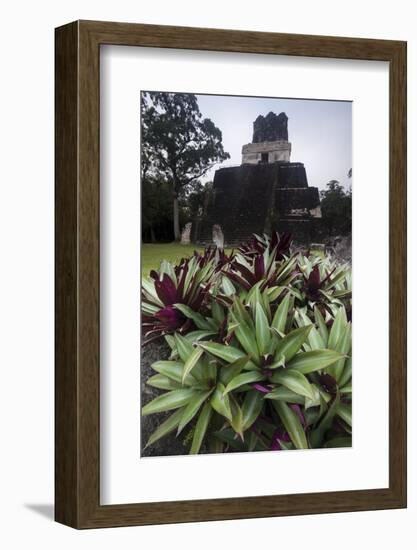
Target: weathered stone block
266,152
186,233
258,198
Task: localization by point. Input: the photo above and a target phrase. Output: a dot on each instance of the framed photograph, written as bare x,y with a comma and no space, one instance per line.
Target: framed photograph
230,274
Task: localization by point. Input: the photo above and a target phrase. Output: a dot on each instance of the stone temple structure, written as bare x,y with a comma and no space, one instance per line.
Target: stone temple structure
266,192
270,140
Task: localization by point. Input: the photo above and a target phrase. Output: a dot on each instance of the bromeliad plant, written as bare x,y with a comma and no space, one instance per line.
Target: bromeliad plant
323,288
259,365
279,245
264,261
186,285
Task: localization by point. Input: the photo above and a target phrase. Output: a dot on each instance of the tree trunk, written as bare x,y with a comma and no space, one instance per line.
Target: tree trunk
177,234
153,238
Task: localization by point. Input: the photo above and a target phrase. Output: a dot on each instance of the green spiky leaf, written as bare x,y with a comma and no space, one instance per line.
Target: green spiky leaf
168,401
294,381
168,426
292,424
200,429
311,361
192,408
244,378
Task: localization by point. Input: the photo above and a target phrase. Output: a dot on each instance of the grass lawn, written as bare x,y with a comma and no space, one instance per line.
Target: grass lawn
153,254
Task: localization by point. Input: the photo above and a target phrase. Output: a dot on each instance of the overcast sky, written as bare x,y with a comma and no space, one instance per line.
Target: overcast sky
320,132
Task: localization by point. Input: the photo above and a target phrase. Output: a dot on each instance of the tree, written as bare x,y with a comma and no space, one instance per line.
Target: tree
196,199
156,211
336,208
178,144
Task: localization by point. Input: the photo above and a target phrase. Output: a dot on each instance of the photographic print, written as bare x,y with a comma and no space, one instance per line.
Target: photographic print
203,274
246,273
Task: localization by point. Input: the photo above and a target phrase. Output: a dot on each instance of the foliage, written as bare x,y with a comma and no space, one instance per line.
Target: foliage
157,215
336,208
195,199
259,361
179,146
169,294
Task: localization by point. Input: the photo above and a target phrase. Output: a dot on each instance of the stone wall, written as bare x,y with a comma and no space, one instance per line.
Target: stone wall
275,151
292,175
239,203
257,198
290,200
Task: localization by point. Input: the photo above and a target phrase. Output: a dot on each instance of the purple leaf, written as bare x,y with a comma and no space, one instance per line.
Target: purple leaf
278,436
284,245
170,317
166,290
239,280
259,267
328,383
274,240
261,388
314,279
222,331
154,275
328,276
249,276
297,410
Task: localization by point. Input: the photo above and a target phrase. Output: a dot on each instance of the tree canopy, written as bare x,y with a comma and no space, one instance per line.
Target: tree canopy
336,208
179,146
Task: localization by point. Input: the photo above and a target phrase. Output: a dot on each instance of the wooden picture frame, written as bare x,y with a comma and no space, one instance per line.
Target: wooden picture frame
77,405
